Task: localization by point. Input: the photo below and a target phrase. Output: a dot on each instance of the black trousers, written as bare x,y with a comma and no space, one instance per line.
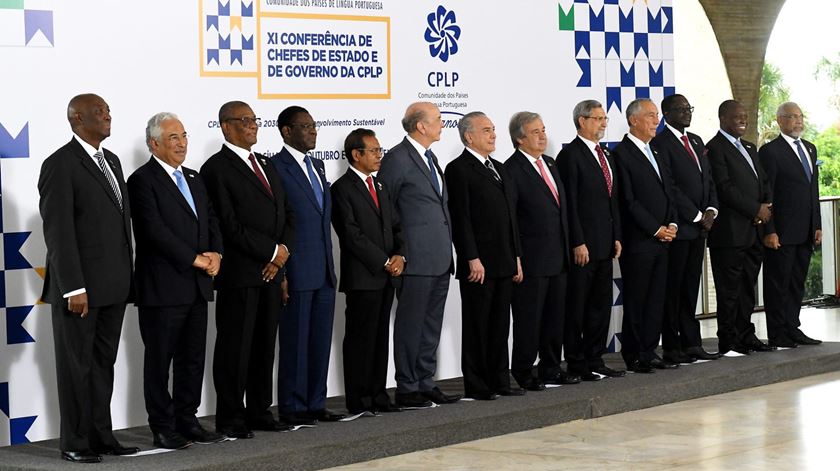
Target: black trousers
177,336
588,312
243,362
735,270
85,352
644,277
365,348
680,329
538,322
485,326
785,271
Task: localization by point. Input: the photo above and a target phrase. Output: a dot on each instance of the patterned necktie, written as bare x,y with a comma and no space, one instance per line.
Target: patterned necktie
372,191
548,181
435,182
746,155
185,189
259,173
489,165
604,168
803,159
653,161
100,158
316,185
690,151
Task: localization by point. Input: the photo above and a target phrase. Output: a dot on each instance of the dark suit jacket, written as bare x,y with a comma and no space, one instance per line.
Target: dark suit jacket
252,221
645,200
424,214
88,238
739,191
483,217
169,236
594,217
368,235
312,260
693,190
796,201
543,225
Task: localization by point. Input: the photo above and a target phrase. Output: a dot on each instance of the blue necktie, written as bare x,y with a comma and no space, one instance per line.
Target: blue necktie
435,182
746,155
652,161
185,190
804,159
316,185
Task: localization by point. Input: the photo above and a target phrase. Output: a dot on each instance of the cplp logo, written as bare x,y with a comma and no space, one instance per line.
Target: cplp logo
227,36
21,26
442,33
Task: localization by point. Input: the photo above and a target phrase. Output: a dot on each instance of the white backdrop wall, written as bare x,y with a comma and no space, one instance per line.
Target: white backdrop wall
378,56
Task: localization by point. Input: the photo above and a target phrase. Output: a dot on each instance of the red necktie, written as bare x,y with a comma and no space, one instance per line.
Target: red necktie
604,168
259,174
372,191
689,149
548,181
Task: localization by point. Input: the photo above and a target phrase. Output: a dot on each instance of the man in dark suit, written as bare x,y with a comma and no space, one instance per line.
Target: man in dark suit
371,260
88,281
539,300
306,324
257,225
411,173
649,224
794,230
179,249
589,176
696,202
487,243
735,242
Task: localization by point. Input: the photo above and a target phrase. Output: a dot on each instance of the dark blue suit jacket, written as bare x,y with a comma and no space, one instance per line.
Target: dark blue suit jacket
311,261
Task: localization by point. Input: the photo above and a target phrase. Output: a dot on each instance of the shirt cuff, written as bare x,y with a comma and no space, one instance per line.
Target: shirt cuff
698,217
74,292
712,209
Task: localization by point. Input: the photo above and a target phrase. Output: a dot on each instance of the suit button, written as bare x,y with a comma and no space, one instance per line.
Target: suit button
445,223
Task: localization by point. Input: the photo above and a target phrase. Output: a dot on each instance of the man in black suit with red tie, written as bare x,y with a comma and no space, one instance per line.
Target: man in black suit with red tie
487,245
88,280
539,301
735,240
794,230
589,175
368,232
649,224
257,225
179,249
696,201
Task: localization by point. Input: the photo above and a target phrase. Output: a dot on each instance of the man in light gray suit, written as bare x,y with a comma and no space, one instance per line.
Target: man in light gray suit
411,172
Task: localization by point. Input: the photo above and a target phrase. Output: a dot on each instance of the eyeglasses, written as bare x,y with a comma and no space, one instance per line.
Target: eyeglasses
375,150
247,121
684,109
795,117
598,118
306,126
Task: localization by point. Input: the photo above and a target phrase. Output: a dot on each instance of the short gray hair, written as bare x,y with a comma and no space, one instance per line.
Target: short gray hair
635,106
153,130
584,110
517,125
465,125
781,109
413,115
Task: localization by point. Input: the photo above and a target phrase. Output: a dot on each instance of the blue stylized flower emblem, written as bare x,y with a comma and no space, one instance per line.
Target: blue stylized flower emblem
442,33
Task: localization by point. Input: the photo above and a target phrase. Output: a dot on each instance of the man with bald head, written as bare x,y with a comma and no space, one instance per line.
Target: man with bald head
411,172
88,280
794,230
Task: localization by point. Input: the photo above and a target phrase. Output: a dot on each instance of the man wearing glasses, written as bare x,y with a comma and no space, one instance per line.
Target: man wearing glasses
794,230
696,201
369,233
307,321
257,227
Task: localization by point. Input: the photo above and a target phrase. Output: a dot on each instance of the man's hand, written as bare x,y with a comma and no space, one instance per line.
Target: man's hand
269,271
518,277
215,263
281,257
764,213
78,304
284,291
201,261
664,234
818,237
395,265
476,271
771,241
707,220
617,250
581,254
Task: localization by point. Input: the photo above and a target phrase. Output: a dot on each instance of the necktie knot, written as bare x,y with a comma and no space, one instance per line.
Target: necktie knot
803,159
605,170
489,164
259,174
548,181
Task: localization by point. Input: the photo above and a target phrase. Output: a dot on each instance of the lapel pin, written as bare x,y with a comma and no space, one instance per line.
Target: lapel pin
191,175
262,161
818,163
379,185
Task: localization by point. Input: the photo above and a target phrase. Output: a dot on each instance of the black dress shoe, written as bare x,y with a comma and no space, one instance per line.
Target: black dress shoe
698,353
783,343
759,346
742,349
589,377
638,366
512,392
562,378
270,425
199,434
661,364
803,339
115,450
678,357
607,371
483,396
297,418
532,384
413,400
235,431
389,407
170,440
326,415
438,397
85,456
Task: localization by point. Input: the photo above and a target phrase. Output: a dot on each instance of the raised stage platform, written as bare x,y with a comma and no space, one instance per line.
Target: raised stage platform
333,444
